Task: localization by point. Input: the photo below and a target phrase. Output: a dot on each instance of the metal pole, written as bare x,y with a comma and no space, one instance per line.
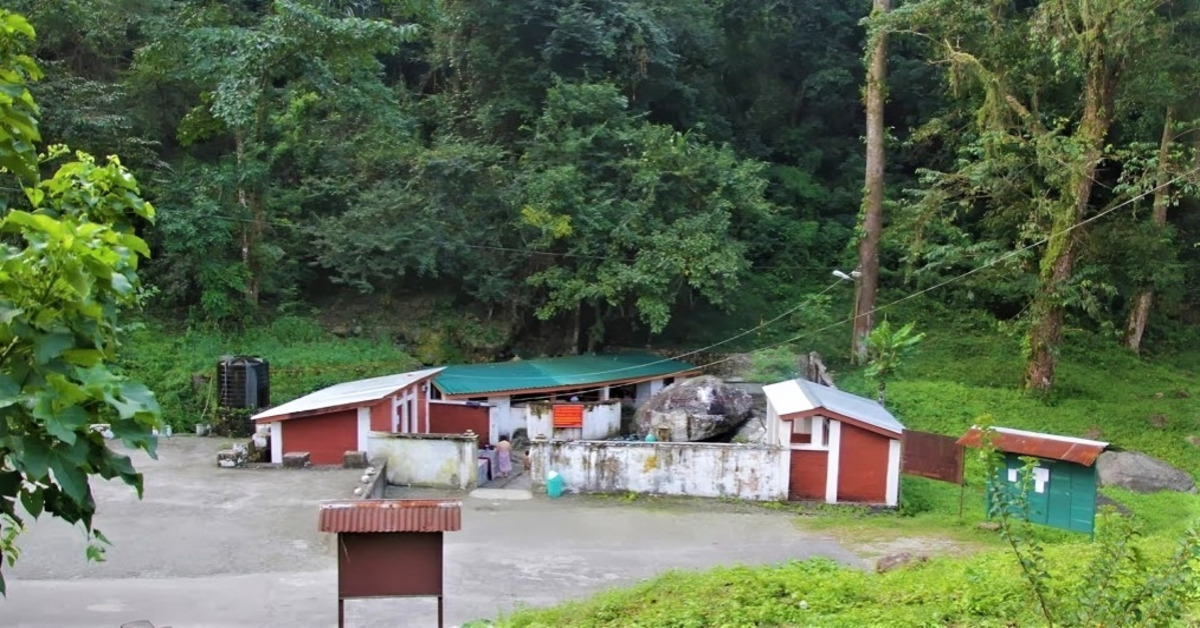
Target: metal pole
341,613
962,482
441,622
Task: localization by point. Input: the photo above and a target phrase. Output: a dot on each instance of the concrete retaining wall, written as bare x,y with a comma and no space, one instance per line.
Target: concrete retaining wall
436,460
696,469
373,481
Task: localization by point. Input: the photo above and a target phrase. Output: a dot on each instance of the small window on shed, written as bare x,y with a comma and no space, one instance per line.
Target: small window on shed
801,431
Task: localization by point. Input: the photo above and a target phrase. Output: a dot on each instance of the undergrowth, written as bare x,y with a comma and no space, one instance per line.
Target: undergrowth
180,365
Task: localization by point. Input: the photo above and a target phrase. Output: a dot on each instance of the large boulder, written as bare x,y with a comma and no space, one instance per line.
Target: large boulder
753,431
1139,472
695,409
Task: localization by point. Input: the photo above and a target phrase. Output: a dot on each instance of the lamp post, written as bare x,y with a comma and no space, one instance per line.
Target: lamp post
853,278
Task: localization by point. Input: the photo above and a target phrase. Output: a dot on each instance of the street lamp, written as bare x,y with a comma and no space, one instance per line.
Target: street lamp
852,276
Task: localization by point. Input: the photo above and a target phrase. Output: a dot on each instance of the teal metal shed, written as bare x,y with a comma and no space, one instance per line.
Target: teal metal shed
1063,487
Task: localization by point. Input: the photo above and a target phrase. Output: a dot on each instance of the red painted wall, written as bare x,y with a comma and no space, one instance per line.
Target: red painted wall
381,415
448,418
862,469
808,475
326,437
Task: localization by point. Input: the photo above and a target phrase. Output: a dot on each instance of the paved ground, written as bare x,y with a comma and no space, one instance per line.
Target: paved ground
232,548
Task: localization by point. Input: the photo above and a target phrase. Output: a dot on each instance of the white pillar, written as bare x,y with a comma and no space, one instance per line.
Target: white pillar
835,455
277,442
428,393
817,433
605,392
507,426
773,427
893,473
364,427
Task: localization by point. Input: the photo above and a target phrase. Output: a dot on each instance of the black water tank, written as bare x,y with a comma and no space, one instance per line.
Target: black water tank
243,382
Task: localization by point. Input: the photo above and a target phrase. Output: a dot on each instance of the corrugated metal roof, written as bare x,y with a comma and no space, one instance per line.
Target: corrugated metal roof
1066,448
391,515
346,394
553,373
800,395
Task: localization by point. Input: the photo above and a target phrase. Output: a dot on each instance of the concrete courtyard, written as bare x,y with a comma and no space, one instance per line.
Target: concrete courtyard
210,547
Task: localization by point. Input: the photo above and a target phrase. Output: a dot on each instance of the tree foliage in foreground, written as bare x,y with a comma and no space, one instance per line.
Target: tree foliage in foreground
68,270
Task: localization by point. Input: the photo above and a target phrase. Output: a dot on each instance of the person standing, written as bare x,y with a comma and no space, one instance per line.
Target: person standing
504,457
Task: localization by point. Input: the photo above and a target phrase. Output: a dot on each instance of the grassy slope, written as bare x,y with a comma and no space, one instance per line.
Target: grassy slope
957,377
302,356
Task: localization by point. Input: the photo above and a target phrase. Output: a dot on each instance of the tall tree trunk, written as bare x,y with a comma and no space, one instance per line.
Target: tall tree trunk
1140,313
1058,261
251,204
872,220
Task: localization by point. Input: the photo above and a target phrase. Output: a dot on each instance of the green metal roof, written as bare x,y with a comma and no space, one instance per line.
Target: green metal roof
565,372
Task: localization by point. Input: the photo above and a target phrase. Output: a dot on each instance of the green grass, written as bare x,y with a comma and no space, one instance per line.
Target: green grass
303,358
984,589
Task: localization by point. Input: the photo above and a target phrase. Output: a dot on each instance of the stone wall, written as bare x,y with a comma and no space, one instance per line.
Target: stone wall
434,460
753,472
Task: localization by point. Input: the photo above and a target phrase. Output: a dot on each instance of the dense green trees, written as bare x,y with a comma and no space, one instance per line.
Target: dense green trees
612,168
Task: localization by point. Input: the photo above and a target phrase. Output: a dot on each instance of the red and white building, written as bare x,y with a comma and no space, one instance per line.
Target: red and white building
334,420
843,447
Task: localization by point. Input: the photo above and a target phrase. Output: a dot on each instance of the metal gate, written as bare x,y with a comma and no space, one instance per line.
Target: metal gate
934,456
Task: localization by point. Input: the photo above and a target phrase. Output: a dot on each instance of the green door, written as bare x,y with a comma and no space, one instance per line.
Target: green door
1072,496
1039,495
1061,494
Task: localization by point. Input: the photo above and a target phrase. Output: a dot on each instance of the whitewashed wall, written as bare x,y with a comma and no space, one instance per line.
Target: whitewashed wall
697,469
600,420
437,460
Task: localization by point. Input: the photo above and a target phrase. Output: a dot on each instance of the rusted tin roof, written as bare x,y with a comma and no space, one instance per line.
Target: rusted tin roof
1065,448
391,515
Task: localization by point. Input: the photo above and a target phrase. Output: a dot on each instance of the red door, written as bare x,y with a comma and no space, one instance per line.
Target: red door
326,437
807,475
862,472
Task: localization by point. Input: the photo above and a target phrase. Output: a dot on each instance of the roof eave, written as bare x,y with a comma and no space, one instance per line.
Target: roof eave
258,418
511,391
822,411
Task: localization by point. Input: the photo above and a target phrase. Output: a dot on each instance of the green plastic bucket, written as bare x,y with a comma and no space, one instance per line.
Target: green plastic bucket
554,485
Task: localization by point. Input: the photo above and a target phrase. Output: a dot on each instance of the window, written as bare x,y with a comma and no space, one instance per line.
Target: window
810,431
801,431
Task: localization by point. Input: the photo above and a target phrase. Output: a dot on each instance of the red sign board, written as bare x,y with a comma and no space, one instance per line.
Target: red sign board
568,415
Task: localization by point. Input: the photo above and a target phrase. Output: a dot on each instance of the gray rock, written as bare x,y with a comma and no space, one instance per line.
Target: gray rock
694,409
296,460
753,431
896,561
1141,473
354,460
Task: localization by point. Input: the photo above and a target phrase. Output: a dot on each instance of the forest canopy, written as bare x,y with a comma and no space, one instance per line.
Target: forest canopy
619,170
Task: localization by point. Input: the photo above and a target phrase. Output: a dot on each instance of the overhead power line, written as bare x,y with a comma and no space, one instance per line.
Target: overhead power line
941,284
